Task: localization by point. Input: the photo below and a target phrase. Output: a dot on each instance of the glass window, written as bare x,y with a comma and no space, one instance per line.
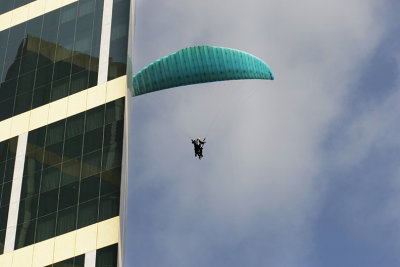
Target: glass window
89,188
95,118
48,202
107,257
25,234
109,206
68,195
91,164
71,171
27,209
45,228
87,213
75,125
73,147
93,140
66,221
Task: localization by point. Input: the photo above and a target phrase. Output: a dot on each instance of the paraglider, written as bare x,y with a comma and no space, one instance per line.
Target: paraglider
199,64
198,147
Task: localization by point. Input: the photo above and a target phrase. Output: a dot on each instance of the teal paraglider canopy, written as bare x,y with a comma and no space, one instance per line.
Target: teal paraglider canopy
199,64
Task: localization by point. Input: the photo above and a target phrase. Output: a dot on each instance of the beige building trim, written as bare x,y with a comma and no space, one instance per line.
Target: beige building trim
65,246
63,108
30,11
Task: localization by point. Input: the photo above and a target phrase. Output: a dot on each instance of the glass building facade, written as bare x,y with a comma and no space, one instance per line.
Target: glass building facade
64,103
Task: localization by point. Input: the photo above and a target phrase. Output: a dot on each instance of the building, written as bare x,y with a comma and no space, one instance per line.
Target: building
65,67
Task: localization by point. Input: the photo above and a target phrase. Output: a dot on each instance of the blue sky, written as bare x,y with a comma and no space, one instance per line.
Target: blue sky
300,171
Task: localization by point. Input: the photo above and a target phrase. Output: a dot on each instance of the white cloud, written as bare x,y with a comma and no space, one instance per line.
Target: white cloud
260,177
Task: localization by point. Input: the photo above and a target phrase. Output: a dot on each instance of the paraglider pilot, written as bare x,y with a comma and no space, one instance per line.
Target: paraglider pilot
198,147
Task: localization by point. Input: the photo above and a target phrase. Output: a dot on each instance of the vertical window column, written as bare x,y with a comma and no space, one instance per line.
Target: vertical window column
15,193
105,41
90,259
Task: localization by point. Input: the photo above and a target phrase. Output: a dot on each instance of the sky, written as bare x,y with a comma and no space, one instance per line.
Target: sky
300,171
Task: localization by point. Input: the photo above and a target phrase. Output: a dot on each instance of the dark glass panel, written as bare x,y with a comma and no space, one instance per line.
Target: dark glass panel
50,25
36,139
113,133
112,157
115,111
111,181
27,209
33,165
2,239
34,27
75,125
62,69
25,83
68,195
82,45
60,88
3,150
92,79
28,64
30,185
53,154
79,82
6,5
95,118
4,38
80,261
73,147
44,75
93,140
66,221
6,108
48,202
71,171
15,50
87,213
89,188
11,69
45,228
23,102
65,263
45,54
8,175
55,132
12,147
25,234
109,206
5,197
91,164
41,96
17,33
2,169
3,217
50,178
107,257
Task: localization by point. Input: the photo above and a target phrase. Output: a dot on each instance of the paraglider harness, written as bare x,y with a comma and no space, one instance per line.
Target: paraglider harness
198,147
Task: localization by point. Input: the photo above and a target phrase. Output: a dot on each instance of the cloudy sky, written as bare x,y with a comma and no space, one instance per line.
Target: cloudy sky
300,171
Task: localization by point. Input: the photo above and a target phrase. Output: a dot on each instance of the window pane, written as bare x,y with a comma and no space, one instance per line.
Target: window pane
88,213
66,221
45,228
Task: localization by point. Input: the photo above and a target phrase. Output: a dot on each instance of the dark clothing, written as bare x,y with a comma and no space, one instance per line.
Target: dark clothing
198,147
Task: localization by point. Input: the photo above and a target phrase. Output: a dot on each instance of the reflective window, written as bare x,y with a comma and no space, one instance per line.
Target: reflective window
72,174
107,257
78,261
8,5
49,57
119,39
7,159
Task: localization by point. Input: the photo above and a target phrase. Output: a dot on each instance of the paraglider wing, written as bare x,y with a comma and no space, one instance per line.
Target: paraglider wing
199,64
